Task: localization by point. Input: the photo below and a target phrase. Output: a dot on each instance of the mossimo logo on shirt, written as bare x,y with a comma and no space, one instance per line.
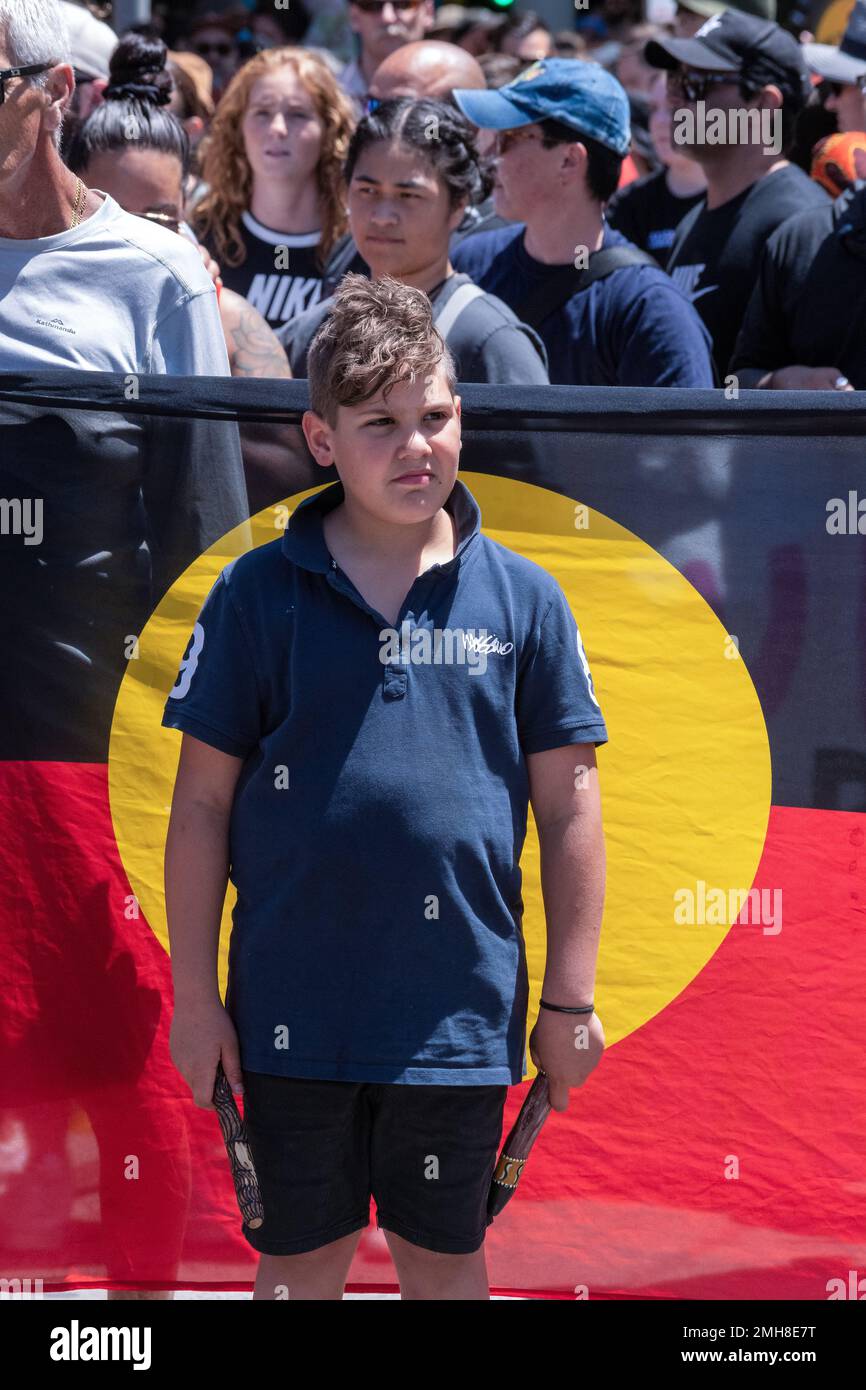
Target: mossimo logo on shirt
440,646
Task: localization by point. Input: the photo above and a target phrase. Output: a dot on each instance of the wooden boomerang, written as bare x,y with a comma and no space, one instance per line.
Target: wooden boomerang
515,1151
237,1145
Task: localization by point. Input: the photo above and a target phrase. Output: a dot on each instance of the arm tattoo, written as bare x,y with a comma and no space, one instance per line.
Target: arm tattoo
254,349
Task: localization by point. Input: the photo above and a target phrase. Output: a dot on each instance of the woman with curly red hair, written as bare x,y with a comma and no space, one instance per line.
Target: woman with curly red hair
272,163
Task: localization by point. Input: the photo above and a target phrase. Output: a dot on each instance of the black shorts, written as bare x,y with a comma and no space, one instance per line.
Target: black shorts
320,1148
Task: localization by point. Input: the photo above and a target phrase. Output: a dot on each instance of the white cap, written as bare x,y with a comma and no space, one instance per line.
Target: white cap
91,43
831,63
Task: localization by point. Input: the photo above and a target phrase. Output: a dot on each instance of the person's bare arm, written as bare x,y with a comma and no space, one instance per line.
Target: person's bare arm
196,876
253,347
566,803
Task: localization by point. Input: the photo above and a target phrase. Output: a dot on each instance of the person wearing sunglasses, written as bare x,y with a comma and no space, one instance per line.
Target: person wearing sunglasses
407,193
135,150
213,38
380,27
81,283
649,210
843,70
746,77
607,314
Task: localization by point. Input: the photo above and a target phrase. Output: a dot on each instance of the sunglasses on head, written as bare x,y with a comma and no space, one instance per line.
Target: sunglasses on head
377,6
695,85
32,70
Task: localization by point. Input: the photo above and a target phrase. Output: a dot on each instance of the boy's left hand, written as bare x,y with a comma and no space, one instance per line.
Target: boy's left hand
567,1047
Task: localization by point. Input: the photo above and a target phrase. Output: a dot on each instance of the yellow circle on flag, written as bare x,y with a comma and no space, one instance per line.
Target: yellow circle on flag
685,778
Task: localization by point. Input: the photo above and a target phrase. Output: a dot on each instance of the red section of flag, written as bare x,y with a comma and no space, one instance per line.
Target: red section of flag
107,1169
759,1059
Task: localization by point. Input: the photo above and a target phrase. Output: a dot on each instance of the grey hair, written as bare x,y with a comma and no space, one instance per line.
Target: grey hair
34,31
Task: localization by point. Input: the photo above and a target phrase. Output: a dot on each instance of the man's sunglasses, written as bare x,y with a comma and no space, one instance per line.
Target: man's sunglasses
377,6
504,140
837,88
219,50
32,70
696,86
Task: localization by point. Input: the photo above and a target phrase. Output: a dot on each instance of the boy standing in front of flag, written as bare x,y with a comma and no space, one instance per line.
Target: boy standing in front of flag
368,705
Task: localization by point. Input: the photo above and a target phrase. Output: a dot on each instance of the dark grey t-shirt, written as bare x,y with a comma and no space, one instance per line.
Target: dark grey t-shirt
487,340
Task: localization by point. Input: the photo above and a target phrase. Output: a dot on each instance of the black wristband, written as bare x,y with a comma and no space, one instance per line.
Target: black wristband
562,1009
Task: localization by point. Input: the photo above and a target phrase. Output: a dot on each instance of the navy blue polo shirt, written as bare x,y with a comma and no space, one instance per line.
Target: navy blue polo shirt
381,810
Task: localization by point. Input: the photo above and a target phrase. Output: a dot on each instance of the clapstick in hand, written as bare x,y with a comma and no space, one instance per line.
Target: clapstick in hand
515,1151
238,1148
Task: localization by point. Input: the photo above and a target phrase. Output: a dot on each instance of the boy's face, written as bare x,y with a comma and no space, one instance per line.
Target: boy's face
397,459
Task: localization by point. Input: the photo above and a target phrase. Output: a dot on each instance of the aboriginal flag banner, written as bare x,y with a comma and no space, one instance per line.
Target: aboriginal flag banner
714,554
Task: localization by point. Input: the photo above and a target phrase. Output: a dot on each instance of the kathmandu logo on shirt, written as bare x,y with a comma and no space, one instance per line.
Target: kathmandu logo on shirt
418,645
283,297
56,324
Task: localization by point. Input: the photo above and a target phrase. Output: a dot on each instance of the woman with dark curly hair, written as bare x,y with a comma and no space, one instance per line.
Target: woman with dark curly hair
272,161
411,171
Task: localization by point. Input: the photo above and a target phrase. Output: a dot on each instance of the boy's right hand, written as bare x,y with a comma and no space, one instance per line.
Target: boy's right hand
201,1035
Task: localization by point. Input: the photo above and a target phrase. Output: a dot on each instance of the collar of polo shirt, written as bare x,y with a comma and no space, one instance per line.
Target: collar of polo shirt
304,539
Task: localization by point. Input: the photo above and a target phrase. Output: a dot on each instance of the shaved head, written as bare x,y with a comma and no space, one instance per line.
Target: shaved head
429,68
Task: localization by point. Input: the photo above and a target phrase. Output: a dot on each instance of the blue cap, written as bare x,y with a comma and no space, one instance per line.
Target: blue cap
582,95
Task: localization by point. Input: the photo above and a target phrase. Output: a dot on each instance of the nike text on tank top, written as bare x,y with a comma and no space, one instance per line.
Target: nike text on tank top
279,276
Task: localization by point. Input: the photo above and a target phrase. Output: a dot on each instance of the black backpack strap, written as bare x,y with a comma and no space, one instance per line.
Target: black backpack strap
552,293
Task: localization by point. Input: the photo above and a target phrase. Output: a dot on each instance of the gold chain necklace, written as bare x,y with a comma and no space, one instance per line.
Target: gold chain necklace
80,200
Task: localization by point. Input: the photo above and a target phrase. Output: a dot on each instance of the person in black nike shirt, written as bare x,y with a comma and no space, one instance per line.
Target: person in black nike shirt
805,327
272,162
744,79
649,211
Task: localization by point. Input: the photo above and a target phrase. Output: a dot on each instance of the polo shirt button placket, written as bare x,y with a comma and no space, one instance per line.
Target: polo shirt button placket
395,681
395,678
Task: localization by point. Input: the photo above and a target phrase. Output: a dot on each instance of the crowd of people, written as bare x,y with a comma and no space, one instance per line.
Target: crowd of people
623,203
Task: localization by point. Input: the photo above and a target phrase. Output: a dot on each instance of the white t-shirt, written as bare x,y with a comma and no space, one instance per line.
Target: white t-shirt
115,294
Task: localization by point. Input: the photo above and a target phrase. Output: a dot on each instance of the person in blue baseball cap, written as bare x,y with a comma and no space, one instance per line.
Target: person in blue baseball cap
606,312
587,98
